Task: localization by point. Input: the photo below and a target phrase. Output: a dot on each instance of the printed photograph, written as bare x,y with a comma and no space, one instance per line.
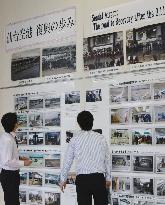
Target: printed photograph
118,94
52,102
140,92
22,197
119,136
52,198
21,138
120,116
25,65
35,119
71,178
36,103
35,179
124,201
36,138
121,184
72,97
22,120
52,118
52,138
145,44
52,160
141,136
20,103
144,202
103,51
141,114
35,197
160,164
121,162
115,201
160,202
69,135
52,179
160,135
142,163
143,186
37,159
159,91
94,95
159,113
23,177
160,188
59,60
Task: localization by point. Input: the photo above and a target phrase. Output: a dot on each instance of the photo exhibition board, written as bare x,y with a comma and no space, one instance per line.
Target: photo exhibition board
123,87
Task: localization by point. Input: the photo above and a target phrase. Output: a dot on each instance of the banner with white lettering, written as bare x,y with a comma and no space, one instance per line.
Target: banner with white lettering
40,29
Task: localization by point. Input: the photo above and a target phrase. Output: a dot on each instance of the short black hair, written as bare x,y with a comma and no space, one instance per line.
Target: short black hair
9,121
85,120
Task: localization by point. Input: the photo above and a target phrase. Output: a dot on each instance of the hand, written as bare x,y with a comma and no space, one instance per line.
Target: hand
108,184
27,162
62,186
23,158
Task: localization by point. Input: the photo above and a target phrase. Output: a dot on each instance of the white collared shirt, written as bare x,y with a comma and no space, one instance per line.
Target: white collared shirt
9,157
91,152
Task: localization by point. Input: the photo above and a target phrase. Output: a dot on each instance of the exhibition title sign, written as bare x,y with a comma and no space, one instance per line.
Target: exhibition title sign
56,25
127,14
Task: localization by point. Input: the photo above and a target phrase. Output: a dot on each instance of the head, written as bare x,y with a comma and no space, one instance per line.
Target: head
85,120
9,122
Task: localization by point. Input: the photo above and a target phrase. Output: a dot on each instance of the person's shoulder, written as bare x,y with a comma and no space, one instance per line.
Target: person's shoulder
5,137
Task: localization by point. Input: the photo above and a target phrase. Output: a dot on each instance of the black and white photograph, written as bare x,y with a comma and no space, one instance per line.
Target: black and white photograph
20,103
52,160
52,179
142,163
121,184
21,138
143,186
120,116
160,202
103,51
35,179
69,135
141,114
160,135
37,159
71,178
141,136
140,92
52,198
145,44
36,138
159,113
144,202
159,91
121,162
52,101
72,97
36,103
118,94
160,164
120,137
59,60
53,138
94,95
22,120
35,197
35,119
115,201
23,177
53,118
160,188
25,65
22,197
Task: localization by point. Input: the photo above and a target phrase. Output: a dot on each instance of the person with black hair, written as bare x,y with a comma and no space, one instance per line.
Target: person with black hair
9,160
90,150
